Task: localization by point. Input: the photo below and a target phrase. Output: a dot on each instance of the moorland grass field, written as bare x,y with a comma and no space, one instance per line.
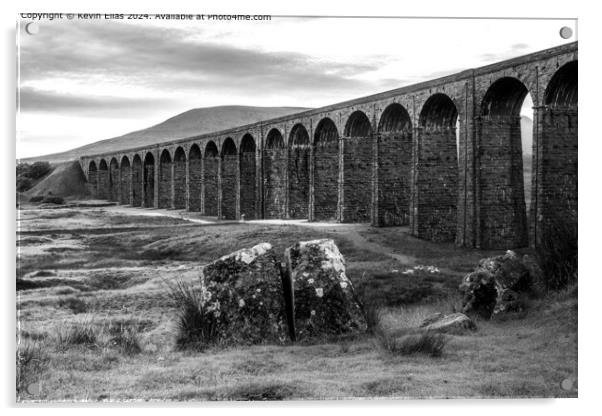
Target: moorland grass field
96,321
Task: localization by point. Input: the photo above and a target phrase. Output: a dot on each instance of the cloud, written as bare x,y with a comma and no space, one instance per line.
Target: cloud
34,100
519,46
160,58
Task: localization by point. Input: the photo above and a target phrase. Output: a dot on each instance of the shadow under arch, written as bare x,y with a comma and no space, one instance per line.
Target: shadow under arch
326,171
394,161
298,172
358,150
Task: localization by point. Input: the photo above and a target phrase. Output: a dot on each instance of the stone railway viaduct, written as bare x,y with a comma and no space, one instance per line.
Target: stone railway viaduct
393,158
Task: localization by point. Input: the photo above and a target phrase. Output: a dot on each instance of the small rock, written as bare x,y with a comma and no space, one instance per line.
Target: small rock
431,318
324,300
455,323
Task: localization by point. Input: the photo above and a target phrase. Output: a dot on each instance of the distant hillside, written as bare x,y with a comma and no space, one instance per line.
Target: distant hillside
190,123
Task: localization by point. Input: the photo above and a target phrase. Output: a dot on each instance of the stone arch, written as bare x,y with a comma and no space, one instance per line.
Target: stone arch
149,180
248,177
358,125
556,190
165,178
298,172
137,181
561,92
394,161
195,178
229,173
357,168
125,173
179,178
326,170
502,208
211,167
92,179
435,216
275,161
103,180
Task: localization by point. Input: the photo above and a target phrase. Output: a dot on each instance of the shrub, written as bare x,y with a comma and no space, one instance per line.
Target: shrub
24,184
423,342
31,363
270,390
125,338
38,170
160,254
196,326
79,333
37,198
372,313
53,200
557,252
76,304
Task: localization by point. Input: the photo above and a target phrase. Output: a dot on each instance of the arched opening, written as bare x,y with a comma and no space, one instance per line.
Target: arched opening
326,170
149,180
502,206
298,172
137,175
179,179
165,177
114,180
103,180
357,168
195,177
229,182
125,174
92,179
557,157
274,159
437,171
248,177
394,166
211,166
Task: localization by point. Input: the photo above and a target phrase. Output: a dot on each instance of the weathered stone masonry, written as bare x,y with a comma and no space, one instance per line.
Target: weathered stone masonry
443,157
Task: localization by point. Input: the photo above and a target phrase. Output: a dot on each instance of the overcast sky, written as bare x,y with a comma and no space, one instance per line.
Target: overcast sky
83,81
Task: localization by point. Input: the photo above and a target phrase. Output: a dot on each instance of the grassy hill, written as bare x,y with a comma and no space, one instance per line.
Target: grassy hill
190,123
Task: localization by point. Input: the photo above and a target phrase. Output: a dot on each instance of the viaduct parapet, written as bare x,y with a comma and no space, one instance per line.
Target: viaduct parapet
443,157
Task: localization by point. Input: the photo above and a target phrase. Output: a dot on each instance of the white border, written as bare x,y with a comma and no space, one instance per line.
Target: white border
589,160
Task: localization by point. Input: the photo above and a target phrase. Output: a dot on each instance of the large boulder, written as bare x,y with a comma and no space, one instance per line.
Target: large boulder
508,271
495,286
325,303
455,323
244,291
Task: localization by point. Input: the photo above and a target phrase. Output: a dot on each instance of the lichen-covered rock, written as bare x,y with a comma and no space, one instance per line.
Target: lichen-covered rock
455,323
324,300
508,271
244,291
494,286
508,301
479,293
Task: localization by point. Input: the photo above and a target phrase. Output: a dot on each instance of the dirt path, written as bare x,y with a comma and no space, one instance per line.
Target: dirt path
349,231
353,234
